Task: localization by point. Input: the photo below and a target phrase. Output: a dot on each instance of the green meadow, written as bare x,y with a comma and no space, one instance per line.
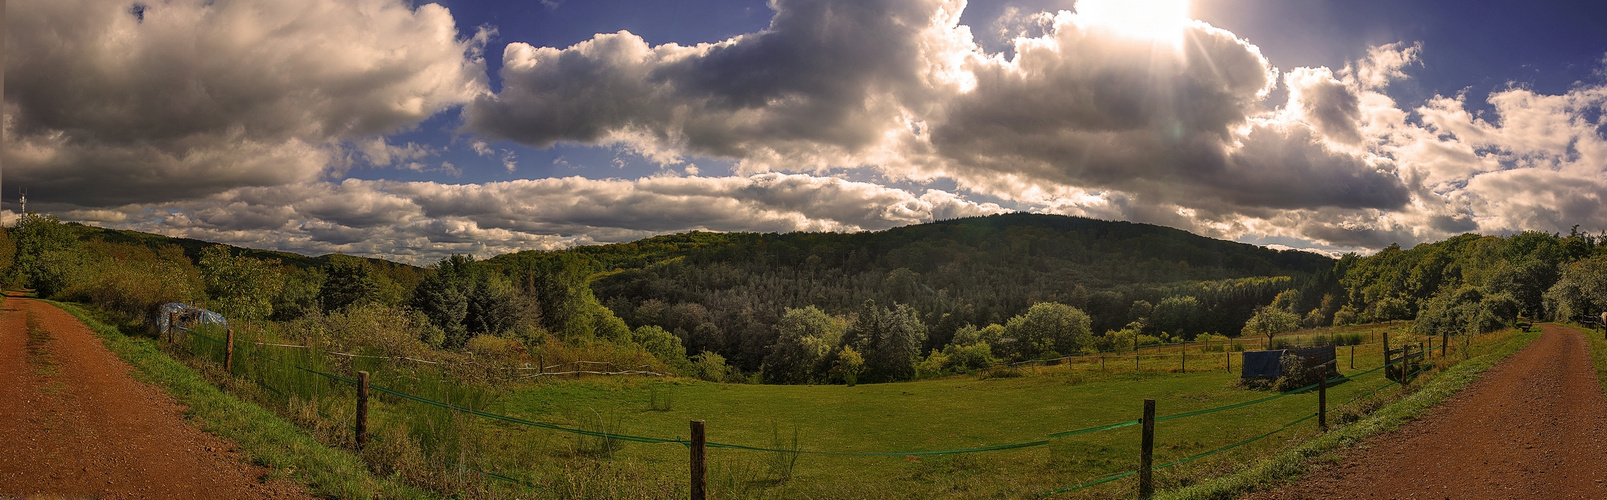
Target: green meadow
897,427
902,421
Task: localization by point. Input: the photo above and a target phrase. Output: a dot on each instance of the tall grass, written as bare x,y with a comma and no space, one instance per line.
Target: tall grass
427,445
266,438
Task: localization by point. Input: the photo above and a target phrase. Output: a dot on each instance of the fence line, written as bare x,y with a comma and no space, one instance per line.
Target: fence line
543,373
626,437
653,440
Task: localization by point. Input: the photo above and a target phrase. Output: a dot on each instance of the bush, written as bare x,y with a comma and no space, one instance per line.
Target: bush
493,347
134,288
1345,316
661,344
970,357
711,367
1350,338
1296,374
932,366
849,366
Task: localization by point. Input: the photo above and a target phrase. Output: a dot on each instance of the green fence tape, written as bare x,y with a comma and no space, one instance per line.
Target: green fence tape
520,421
998,447
1114,477
1118,425
652,440
1238,444
1095,482
198,334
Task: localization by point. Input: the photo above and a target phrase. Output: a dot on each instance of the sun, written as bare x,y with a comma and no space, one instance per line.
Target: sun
1161,21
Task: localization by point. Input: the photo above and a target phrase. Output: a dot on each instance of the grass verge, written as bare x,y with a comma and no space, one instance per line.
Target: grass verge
262,436
1289,464
1598,351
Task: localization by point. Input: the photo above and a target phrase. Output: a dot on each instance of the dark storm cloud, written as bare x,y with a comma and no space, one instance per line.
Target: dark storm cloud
190,98
236,121
810,82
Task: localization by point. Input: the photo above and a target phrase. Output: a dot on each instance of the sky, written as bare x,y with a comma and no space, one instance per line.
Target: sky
415,130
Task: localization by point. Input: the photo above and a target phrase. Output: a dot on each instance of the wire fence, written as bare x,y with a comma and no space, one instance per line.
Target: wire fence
254,351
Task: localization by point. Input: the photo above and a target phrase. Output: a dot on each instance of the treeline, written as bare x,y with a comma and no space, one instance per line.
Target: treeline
1465,284
455,307
729,295
905,303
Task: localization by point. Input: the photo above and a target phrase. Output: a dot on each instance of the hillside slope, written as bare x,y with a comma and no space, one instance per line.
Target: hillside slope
725,292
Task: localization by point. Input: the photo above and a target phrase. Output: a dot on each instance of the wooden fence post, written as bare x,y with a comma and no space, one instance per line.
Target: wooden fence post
228,352
1185,352
172,322
699,468
1353,356
1389,372
1322,400
1135,352
1229,354
1146,456
362,410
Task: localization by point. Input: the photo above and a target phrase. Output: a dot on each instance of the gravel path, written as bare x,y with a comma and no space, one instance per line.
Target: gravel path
1533,426
73,423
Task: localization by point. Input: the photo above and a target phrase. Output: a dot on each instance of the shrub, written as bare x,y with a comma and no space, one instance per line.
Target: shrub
1296,374
933,366
711,367
969,357
848,366
493,347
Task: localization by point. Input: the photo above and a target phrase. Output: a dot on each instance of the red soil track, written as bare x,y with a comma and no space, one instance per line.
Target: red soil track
1533,426
74,424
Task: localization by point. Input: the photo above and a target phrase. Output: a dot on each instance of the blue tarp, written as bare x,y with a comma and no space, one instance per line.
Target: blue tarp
1267,364
188,316
1262,364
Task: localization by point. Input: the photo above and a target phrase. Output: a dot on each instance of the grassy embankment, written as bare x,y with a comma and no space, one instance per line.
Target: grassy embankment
268,440
1598,351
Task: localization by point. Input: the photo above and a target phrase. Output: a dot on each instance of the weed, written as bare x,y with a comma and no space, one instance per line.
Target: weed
599,440
781,464
660,398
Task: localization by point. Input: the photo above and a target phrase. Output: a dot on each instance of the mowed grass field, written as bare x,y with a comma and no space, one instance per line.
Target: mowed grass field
496,459
943,414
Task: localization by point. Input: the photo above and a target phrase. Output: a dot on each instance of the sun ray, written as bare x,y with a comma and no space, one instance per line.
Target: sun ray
1161,21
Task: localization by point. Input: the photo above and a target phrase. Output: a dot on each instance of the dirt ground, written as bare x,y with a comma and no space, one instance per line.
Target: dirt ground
73,424
1532,426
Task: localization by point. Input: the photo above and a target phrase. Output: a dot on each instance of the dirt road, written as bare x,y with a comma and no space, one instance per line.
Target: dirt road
1533,426
74,424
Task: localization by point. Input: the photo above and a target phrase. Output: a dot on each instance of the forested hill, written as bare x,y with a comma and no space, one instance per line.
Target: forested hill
725,292
816,307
